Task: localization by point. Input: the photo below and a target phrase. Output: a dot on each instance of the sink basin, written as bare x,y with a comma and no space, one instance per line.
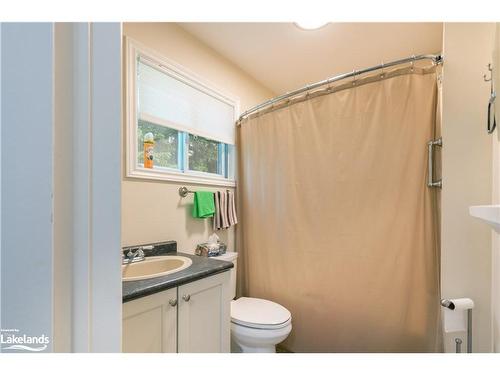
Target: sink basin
154,267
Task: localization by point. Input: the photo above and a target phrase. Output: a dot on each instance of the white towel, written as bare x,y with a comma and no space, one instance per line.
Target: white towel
217,211
223,210
231,207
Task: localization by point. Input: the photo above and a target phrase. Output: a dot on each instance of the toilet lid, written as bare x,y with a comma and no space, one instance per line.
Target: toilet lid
259,313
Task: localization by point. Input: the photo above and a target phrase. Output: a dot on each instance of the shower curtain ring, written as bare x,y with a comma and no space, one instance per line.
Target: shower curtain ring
328,86
413,58
354,72
307,91
382,74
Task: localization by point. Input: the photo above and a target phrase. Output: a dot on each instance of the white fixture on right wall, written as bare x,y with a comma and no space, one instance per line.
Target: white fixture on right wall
311,24
490,214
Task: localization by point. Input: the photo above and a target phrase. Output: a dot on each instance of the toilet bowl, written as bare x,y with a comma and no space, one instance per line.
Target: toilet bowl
257,325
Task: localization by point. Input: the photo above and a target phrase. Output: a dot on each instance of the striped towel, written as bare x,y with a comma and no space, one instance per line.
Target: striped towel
225,210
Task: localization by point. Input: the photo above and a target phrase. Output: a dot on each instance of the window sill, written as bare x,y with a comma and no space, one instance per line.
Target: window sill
173,176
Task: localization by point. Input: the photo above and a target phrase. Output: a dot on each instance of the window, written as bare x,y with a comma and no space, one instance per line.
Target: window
179,128
205,155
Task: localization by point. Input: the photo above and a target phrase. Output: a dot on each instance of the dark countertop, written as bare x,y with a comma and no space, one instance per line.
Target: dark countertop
201,268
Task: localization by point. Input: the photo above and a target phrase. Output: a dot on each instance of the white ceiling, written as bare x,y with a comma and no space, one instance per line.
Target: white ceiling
283,57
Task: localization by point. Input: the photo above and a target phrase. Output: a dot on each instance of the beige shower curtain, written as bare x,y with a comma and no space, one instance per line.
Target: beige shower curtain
338,224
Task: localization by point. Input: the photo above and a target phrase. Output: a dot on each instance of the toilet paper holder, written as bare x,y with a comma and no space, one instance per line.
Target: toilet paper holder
450,305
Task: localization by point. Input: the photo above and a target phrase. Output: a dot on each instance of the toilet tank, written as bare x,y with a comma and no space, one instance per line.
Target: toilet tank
230,256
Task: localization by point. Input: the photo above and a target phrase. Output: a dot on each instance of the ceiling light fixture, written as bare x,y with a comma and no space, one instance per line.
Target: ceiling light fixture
311,24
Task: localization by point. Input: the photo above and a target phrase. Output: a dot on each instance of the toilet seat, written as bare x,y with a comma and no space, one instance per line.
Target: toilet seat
259,314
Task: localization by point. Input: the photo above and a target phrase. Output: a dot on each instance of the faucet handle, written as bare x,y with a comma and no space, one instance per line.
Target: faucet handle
136,252
130,252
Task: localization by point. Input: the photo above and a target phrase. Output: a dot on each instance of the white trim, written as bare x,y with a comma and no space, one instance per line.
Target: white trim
133,51
106,116
81,340
97,137
178,176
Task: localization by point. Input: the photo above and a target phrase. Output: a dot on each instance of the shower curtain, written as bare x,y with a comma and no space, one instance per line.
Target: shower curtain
338,224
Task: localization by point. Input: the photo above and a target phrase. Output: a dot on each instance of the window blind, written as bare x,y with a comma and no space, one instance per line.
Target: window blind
172,100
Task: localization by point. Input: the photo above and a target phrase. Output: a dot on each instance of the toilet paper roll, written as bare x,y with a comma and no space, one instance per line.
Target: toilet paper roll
455,316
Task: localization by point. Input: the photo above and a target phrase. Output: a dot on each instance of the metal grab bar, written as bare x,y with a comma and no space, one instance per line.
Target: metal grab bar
490,127
430,159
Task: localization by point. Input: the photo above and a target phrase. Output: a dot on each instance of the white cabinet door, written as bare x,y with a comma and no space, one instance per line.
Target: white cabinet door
204,315
150,324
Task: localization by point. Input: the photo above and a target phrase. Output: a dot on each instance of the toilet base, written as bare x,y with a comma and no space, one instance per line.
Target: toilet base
251,340
235,348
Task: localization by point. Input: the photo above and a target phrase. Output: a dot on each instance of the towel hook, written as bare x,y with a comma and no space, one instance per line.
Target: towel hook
491,75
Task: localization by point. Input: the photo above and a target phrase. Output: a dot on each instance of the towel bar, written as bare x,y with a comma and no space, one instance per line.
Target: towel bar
183,192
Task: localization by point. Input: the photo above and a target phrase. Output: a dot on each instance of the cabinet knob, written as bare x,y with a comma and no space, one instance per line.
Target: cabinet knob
173,302
186,297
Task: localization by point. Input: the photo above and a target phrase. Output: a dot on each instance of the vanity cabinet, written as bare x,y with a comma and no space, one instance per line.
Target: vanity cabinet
204,316
191,318
150,324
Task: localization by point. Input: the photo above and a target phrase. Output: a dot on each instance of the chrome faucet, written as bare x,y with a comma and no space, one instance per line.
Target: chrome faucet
134,256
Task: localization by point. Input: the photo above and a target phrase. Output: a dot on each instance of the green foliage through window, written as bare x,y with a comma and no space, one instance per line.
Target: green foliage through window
183,151
203,154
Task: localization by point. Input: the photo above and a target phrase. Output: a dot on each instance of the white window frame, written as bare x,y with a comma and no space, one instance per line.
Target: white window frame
134,50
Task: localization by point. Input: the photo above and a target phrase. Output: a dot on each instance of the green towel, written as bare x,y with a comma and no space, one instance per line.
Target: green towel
204,205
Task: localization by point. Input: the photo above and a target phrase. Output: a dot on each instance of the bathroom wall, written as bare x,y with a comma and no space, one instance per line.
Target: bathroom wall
496,200
467,175
495,285
152,210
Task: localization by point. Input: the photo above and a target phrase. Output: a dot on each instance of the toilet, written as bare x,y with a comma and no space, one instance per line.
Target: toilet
257,325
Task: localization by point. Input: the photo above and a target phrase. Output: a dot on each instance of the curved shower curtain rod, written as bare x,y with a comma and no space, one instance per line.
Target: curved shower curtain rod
436,59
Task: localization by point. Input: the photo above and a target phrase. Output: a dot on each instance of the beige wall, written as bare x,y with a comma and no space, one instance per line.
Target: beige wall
467,174
495,285
151,210
496,200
